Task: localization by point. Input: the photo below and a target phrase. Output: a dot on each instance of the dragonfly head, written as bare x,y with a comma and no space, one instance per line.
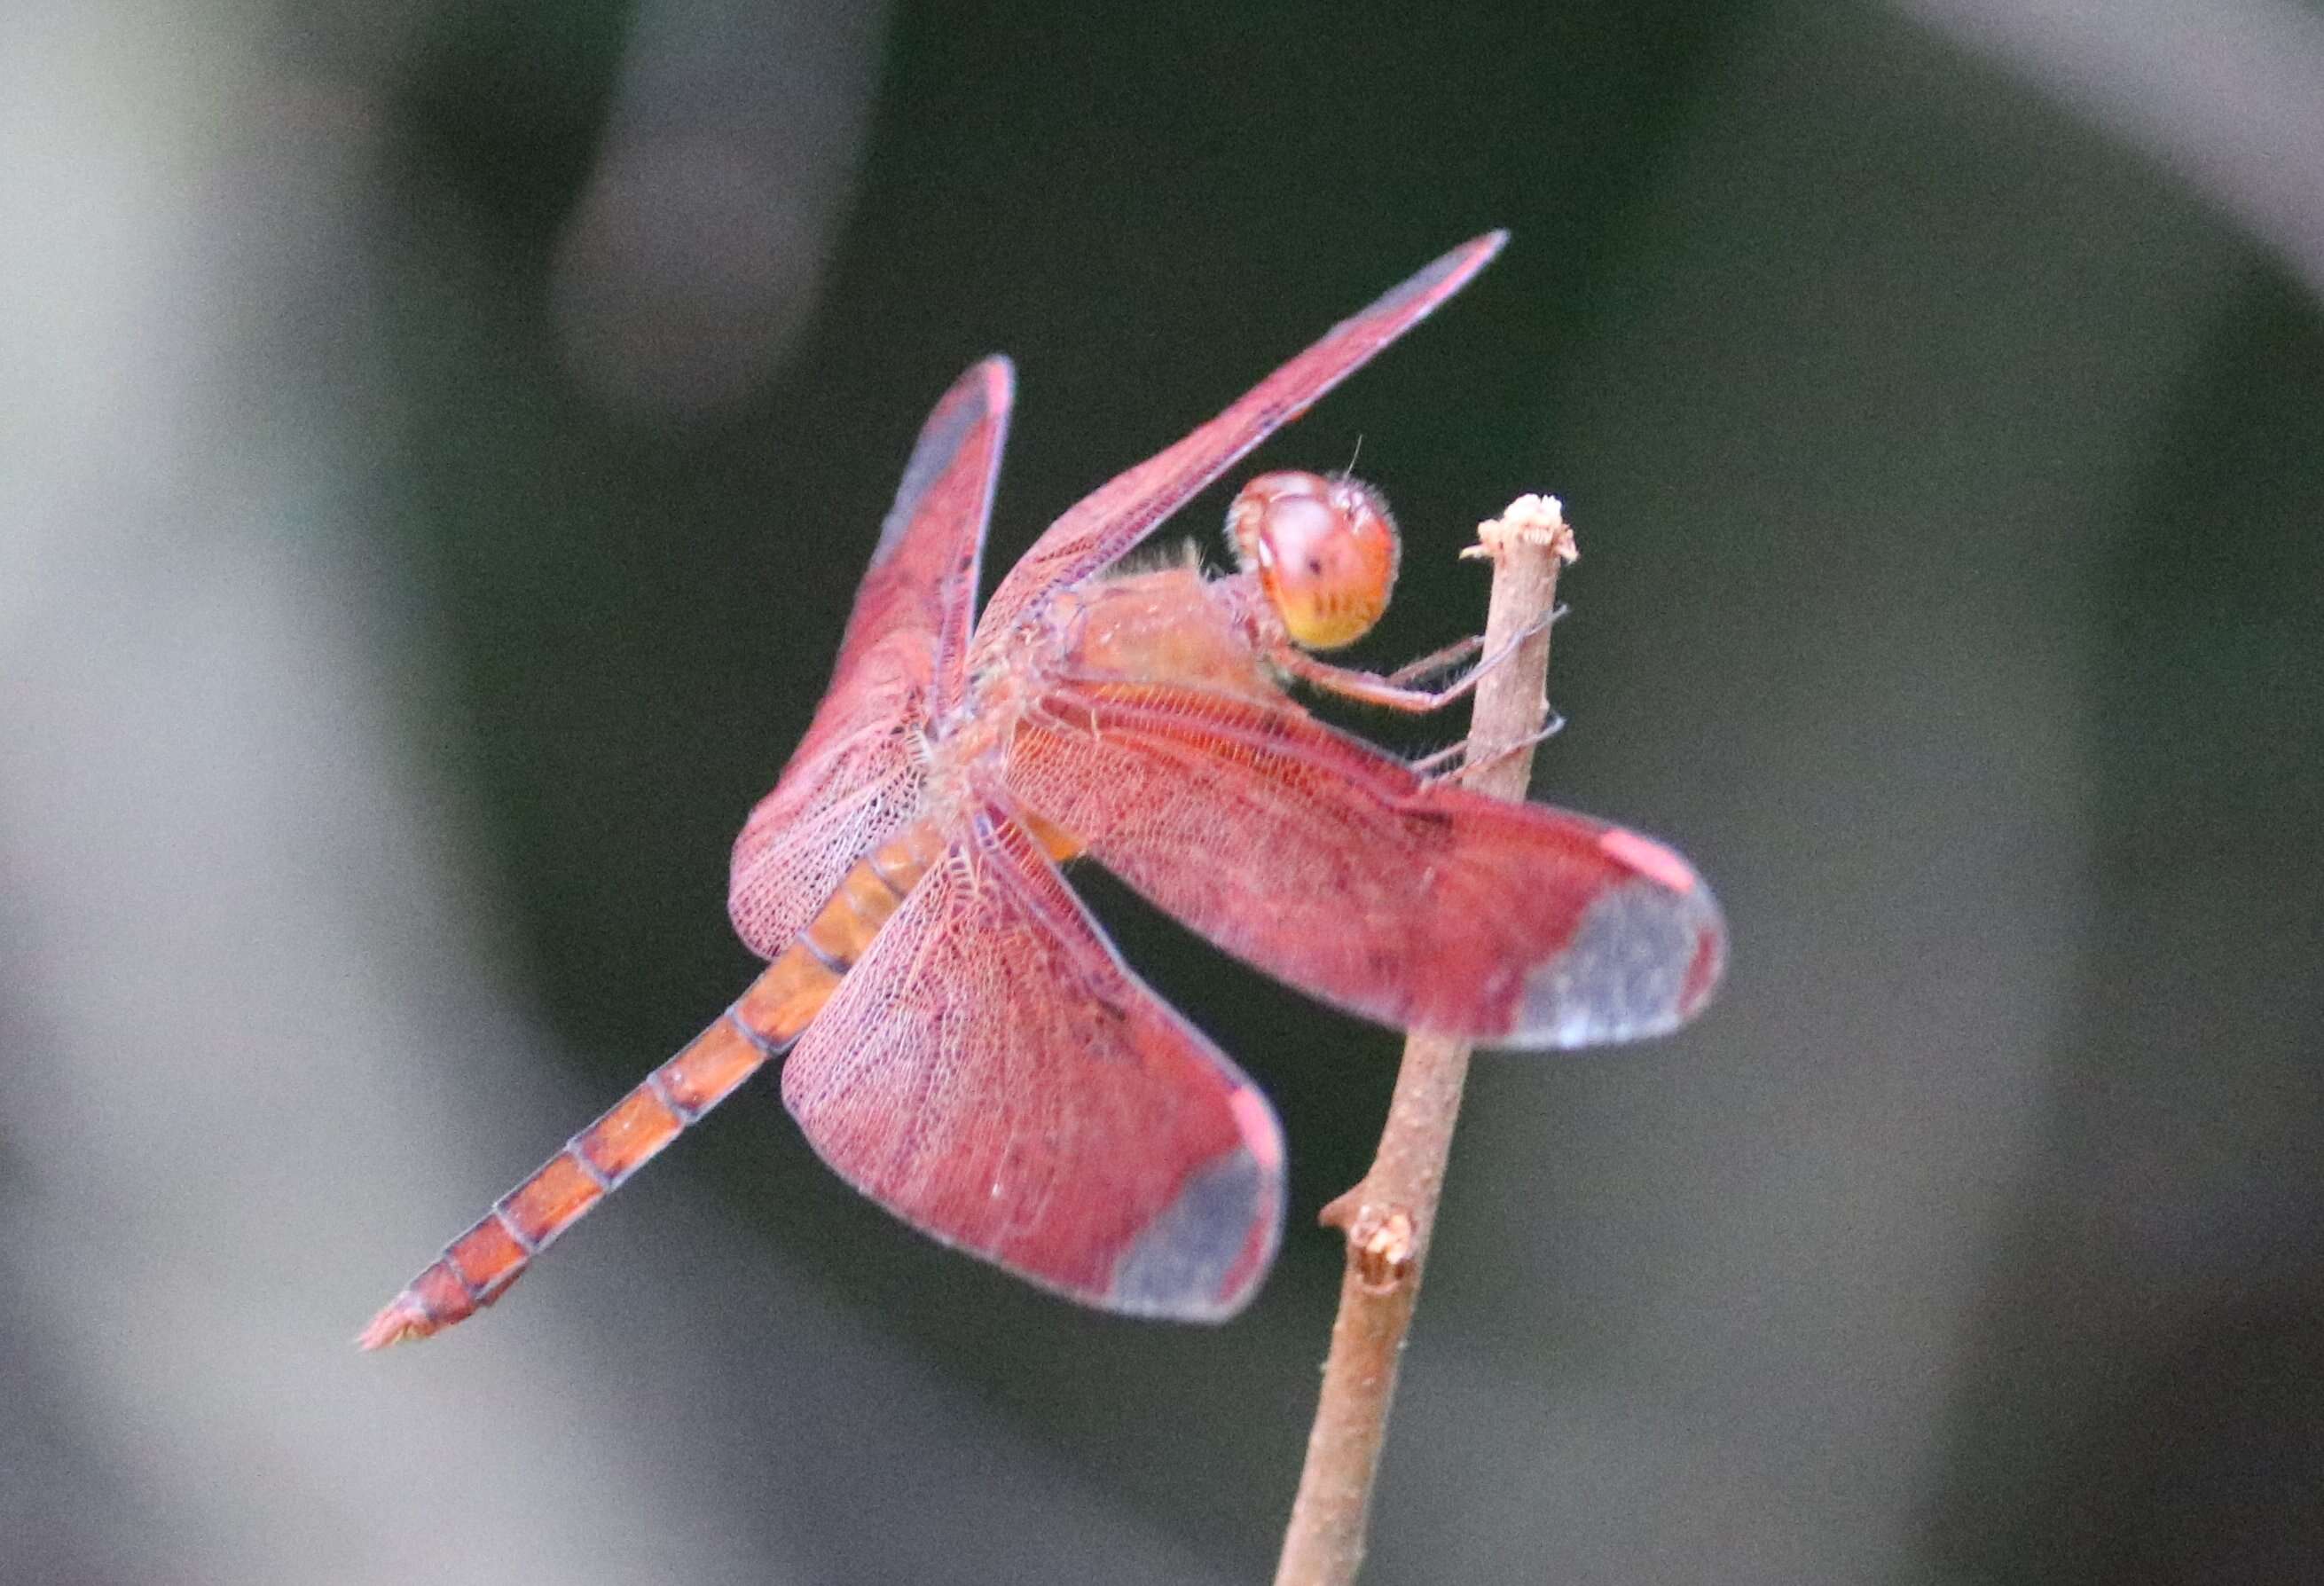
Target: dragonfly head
1323,550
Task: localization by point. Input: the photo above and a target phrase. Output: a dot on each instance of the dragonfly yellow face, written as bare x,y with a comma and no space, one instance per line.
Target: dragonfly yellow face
965,1045
1323,551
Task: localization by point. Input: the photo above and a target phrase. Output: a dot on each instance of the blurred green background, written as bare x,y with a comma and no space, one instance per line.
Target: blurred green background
439,444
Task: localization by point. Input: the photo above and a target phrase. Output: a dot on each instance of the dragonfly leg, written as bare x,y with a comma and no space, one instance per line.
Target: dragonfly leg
1437,660
1393,689
1431,767
1426,767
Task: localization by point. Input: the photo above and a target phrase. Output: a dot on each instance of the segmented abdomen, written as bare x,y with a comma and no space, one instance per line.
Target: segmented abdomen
477,1267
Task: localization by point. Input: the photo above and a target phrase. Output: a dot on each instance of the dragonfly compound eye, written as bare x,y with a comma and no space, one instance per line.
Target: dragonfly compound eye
1325,550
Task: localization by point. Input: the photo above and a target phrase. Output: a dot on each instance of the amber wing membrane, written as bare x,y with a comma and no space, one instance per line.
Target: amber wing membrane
852,783
1095,532
992,1074
1331,866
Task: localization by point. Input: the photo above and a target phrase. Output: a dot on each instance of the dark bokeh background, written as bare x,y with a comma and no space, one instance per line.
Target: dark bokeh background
440,445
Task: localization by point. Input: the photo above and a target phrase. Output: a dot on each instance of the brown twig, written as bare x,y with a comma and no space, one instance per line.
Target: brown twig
1388,1218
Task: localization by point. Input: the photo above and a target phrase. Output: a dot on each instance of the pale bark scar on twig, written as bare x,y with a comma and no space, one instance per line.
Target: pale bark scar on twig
1383,1244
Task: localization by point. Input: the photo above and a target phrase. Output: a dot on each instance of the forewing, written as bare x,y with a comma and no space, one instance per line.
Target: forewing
1094,533
1331,866
991,1073
851,782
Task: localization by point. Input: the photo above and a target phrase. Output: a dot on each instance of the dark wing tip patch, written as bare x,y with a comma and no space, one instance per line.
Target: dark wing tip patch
1201,1258
985,391
1645,959
1441,278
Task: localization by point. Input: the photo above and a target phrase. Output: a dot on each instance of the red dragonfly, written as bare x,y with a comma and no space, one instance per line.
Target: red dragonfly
965,1047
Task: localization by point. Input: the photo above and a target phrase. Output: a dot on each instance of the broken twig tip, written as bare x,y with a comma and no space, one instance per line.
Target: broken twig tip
1530,519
